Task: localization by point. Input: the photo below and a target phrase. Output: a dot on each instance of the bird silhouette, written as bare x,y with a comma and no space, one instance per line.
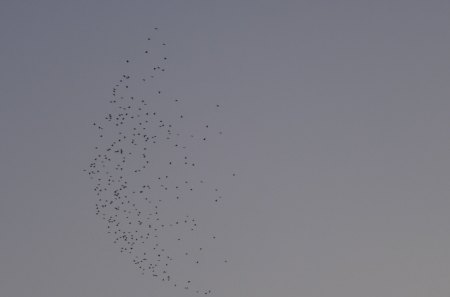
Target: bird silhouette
141,213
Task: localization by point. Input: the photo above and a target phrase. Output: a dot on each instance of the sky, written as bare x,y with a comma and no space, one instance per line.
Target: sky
335,118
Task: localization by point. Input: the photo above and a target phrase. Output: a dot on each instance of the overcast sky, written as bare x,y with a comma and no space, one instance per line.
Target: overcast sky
336,118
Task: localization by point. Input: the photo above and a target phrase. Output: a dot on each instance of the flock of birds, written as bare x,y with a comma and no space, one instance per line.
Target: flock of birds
145,176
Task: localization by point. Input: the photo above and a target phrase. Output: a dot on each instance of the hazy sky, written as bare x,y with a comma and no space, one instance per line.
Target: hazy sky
336,116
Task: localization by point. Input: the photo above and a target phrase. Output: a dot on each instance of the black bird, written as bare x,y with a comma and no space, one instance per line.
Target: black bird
137,210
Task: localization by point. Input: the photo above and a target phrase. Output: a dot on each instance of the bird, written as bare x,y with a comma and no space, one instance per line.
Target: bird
136,133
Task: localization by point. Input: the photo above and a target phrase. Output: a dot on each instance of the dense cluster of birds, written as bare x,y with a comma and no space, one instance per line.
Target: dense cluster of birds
144,175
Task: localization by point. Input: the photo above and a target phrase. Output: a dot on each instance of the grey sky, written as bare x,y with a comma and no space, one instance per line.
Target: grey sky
335,116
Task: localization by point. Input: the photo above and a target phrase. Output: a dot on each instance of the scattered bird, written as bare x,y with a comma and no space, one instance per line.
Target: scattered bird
138,210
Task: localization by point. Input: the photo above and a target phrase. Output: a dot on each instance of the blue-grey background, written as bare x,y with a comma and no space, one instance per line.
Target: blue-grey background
336,116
